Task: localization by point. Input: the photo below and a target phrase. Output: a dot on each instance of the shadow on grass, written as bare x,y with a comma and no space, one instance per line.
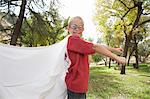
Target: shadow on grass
98,68
109,84
143,68
103,85
145,75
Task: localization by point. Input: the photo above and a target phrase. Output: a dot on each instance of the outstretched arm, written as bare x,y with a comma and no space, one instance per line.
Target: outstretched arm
107,52
117,50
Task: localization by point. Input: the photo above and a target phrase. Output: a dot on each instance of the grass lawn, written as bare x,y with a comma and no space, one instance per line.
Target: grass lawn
108,83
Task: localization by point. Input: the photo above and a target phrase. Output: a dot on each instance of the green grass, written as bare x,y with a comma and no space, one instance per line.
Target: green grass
108,83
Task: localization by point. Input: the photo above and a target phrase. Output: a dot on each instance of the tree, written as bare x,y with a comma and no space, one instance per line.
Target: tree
51,29
144,50
18,25
127,17
142,34
42,12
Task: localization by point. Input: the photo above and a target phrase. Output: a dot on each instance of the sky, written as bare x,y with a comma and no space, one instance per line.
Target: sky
83,8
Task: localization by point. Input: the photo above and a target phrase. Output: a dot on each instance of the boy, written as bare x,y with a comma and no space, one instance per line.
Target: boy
78,50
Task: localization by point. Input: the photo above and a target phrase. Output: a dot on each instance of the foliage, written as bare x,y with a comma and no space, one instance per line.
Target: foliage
96,57
106,24
144,50
90,39
51,29
115,19
123,21
42,23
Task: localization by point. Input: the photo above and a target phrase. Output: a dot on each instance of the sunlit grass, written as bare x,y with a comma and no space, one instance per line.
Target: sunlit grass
107,83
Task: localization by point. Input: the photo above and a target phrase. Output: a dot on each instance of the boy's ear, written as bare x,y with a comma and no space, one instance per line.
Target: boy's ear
83,28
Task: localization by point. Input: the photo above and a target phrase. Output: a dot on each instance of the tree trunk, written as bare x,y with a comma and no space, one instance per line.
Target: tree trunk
130,56
136,53
18,25
109,62
136,57
105,61
129,37
127,42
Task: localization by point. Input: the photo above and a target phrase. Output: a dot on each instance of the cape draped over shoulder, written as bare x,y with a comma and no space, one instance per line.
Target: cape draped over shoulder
33,73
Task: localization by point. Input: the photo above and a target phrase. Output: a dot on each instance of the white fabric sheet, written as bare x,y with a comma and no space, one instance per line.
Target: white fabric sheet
33,73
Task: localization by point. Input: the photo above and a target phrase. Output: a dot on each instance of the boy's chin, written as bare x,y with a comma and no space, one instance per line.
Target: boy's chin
76,34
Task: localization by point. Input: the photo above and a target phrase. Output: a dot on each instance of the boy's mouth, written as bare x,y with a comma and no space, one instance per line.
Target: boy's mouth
76,33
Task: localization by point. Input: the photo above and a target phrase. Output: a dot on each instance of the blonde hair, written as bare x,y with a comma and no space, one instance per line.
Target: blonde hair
73,18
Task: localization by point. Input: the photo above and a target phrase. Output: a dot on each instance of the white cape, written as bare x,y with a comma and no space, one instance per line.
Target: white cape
33,73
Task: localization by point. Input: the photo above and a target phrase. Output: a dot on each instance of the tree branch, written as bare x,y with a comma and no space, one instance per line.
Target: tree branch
123,4
128,11
14,4
61,28
146,13
144,22
134,2
124,28
3,16
28,23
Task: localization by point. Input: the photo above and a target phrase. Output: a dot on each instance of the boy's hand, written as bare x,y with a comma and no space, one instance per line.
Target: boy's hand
121,60
119,50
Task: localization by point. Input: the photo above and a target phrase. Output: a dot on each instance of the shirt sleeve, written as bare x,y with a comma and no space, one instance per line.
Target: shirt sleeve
76,44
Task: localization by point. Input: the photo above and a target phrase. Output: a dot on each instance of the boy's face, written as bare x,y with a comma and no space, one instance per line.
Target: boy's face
76,27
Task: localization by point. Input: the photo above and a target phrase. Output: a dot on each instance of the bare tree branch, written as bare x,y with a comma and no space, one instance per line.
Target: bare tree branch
124,4
4,16
6,29
146,13
14,4
28,23
144,22
128,11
